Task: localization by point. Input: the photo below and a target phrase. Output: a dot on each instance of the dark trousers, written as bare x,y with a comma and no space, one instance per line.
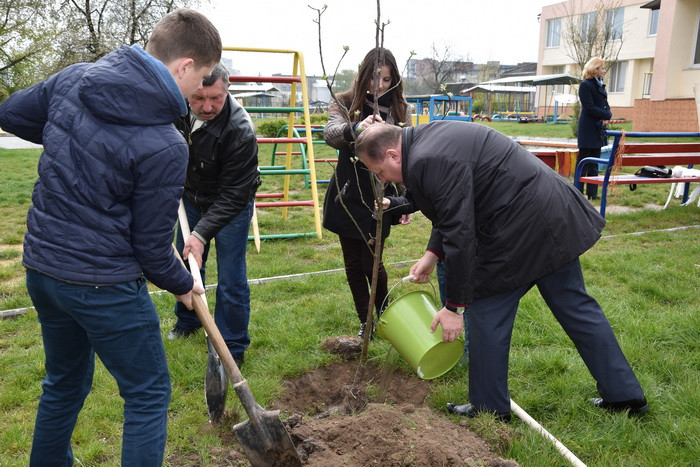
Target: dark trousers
358,268
232,311
590,170
119,323
440,272
579,314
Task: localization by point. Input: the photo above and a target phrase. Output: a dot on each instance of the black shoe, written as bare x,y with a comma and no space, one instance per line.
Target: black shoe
633,406
239,361
180,333
361,332
468,410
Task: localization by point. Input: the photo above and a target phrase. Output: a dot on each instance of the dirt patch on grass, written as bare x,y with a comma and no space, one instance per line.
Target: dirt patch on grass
339,389
375,417
615,209
393,435
337,415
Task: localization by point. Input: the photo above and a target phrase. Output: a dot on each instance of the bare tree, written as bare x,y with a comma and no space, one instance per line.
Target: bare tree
442,67
593,32
490,70
24,39
39,38
93,28
592,29
374,206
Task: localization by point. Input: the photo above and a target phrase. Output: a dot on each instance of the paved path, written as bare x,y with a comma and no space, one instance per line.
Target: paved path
13,142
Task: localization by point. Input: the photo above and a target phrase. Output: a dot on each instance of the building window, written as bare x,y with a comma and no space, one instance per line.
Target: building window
654,22
614,20
696,60
617,74
558,88
588,26
646,88
553,32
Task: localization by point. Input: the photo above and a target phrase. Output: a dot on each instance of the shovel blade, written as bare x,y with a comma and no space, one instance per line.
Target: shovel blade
215,385
265,441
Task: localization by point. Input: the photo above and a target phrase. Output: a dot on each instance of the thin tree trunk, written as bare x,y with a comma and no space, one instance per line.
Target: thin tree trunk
369,326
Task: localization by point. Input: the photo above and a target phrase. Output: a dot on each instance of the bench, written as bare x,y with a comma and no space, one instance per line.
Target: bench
563,162
636,154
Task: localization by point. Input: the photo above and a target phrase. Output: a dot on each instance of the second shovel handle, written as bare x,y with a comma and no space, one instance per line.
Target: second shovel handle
201,309
185,229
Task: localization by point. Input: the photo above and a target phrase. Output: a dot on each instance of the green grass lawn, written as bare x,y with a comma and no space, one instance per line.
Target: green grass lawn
647,284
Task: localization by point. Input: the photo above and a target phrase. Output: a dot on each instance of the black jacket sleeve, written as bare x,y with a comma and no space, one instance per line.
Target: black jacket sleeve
447,186
238,181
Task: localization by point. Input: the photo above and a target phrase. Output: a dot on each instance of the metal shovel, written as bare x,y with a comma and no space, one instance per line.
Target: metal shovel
263,437
215,385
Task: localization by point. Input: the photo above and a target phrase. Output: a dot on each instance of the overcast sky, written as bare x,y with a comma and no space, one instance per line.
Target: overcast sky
483,30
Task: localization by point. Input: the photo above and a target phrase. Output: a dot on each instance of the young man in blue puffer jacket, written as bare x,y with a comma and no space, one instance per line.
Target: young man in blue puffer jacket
101,223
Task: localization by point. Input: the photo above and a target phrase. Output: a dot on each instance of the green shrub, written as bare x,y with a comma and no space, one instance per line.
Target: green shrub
576,111
477,107
270,128
318,119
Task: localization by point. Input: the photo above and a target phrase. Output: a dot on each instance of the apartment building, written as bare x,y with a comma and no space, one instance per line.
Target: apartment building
655,81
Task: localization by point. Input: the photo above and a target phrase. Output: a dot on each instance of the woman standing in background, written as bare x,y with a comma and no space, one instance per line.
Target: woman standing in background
594,111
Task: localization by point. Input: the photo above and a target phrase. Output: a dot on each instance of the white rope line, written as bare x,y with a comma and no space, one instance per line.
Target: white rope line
672,229
19,311
563,450
263,280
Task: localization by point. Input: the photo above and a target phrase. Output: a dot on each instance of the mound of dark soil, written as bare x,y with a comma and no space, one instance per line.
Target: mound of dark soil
383,434
341,415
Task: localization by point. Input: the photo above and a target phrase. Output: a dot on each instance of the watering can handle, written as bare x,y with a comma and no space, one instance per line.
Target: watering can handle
407,278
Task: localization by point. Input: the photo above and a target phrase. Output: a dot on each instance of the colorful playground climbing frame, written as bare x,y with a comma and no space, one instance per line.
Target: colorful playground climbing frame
293,137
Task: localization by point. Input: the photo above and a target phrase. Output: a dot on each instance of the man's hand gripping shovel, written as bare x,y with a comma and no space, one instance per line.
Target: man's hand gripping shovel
263,437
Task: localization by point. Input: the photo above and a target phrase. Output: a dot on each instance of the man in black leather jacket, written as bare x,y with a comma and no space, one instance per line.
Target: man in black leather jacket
222,178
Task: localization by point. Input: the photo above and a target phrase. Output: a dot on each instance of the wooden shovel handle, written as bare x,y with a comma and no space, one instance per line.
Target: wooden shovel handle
256,229
202,310
217,340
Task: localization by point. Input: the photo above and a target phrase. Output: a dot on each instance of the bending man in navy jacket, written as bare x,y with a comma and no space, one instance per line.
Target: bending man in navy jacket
104,207
503,222
222,178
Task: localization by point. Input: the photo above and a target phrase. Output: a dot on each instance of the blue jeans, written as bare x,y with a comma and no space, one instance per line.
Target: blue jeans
232,312
120,324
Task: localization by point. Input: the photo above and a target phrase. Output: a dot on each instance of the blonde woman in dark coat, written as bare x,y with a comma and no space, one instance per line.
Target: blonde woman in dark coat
594,111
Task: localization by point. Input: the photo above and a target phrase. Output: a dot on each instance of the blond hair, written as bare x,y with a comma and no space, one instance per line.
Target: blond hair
590,67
